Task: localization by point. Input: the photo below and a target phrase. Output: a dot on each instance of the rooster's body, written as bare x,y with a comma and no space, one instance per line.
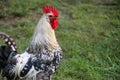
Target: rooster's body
43,55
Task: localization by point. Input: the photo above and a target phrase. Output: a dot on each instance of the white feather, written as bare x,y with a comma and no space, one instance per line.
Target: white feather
44,34
22,60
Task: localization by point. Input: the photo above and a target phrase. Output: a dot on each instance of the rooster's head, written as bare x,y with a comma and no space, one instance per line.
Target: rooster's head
52,14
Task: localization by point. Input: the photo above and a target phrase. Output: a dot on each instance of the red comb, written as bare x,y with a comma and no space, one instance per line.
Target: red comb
47,9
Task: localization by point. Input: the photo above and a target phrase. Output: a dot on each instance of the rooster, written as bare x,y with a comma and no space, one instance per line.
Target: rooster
41,59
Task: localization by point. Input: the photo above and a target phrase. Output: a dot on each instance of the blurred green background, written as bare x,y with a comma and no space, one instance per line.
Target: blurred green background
88,32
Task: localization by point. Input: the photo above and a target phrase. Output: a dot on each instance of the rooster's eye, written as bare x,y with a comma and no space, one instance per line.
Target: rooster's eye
50,16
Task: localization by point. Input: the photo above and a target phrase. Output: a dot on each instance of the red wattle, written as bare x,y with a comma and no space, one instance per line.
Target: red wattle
54,24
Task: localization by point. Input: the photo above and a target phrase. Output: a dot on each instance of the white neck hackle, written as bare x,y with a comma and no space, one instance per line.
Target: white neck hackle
44,34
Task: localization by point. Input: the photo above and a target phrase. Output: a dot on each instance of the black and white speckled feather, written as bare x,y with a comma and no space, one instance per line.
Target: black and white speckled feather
8,50
27,65
8,41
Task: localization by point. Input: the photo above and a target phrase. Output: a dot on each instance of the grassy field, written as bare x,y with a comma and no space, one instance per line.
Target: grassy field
88,32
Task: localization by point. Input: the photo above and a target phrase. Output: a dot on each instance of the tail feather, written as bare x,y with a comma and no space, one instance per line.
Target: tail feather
7,50
8,41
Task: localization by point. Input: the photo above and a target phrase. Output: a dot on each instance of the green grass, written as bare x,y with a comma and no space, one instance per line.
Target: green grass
88,32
